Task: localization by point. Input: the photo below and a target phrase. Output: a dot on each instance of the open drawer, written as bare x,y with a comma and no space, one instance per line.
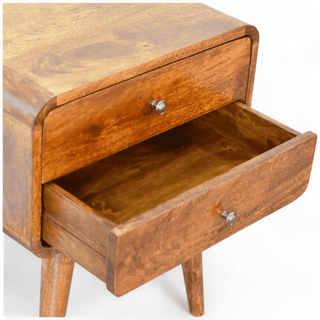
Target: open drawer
138,213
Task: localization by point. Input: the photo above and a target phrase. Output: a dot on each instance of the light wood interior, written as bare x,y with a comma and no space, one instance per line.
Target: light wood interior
130,182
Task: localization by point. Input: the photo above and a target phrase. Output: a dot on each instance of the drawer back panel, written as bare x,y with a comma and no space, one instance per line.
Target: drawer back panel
93,127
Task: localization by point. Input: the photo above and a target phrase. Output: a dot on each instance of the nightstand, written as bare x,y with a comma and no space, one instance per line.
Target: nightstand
129,142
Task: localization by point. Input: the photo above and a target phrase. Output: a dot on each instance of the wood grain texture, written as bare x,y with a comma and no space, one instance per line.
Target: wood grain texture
253,33
81,43
76,217
38,247
106,122
282,128
17,178
56,276
22,101
23,98
74,248
78,49
192,273
145,175
249,128
139,178
173,232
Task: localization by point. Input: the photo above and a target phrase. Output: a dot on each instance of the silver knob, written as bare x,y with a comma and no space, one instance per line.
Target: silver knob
230,217
160,107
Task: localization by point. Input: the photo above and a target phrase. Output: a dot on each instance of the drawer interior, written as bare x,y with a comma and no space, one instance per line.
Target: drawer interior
130,182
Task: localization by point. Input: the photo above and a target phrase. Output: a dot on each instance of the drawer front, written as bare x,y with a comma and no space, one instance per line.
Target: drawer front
100,124
172,233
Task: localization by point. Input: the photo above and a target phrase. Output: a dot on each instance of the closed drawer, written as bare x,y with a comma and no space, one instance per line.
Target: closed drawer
140,212
91,128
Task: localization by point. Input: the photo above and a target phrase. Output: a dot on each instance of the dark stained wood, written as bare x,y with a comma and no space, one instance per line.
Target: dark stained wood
56,276
173,232
46,66
74,248
192,273
76,217
106,122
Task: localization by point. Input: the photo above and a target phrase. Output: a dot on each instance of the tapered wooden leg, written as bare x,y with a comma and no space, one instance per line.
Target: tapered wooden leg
56,275
192,272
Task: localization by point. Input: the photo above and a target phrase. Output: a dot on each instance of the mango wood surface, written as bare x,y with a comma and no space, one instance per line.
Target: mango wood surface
22,149
74,248
283,129
249,128
106,122
173,232
77,49
260,185
192,273
145,175
17,180
56,276
75,216
137,179
81,43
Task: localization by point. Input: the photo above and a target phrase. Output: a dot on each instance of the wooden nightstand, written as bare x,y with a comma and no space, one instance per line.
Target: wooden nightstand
129,144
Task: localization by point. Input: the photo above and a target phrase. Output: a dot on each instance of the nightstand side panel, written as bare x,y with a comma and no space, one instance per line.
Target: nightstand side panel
22,101
17,179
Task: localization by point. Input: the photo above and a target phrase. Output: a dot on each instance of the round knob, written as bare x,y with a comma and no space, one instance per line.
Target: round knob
160,107
230,217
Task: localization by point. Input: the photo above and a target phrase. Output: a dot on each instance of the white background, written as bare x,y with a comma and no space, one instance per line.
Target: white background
270,270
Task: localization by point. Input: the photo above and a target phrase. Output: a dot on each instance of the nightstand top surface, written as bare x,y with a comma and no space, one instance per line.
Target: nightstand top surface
61,47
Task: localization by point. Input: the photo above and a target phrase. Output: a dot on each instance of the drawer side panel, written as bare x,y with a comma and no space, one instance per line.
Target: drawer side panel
77,218
74,249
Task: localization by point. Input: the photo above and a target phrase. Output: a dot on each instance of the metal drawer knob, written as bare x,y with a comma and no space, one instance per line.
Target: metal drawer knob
230,217
160,107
